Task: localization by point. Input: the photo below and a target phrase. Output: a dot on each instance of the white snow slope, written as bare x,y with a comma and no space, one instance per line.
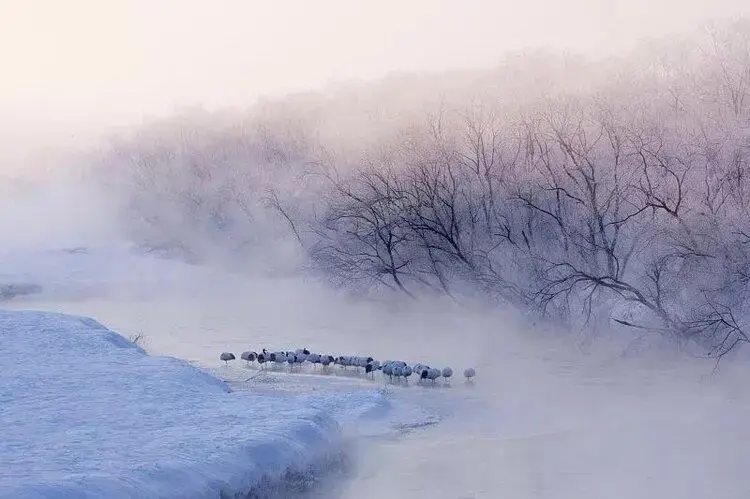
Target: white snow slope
86,413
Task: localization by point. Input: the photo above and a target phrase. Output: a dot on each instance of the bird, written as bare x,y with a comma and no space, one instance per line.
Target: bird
397,371
362,362
418,368
249,357
407,372
262,358
469,373
388,369
433,374
281,358
447,372
300,358
226,357
314,358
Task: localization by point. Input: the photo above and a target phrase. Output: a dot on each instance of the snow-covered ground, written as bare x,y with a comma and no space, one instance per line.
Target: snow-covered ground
541,421
86,413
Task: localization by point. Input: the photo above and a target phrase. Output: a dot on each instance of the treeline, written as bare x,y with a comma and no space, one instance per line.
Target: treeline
613,190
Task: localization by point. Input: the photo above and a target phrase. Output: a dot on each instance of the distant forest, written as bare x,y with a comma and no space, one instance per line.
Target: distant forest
582,191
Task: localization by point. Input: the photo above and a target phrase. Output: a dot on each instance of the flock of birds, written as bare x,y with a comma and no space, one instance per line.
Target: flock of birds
394,369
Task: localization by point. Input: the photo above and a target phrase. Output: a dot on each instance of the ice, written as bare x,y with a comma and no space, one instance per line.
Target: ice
86,413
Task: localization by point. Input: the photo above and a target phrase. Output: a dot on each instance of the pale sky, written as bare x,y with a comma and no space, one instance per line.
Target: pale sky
92,60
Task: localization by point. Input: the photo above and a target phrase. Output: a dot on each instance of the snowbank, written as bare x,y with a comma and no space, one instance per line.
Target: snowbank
85,413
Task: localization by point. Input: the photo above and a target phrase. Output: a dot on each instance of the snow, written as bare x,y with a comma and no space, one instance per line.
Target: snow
86,413
542,420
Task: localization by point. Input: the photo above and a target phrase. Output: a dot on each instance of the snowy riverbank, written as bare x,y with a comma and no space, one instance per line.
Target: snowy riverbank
85,413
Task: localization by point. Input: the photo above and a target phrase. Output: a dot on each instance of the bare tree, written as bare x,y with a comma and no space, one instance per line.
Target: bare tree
363,237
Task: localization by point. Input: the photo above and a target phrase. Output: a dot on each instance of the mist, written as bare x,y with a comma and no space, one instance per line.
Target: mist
553,194
84,65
